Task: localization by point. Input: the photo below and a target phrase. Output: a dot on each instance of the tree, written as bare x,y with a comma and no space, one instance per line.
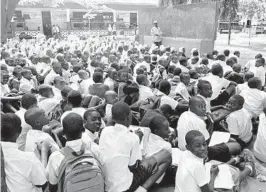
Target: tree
251,7
228,11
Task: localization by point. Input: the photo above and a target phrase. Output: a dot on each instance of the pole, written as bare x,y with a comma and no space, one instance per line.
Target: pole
249,35
229,31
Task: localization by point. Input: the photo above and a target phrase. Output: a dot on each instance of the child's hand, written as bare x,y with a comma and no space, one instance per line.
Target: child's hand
214,170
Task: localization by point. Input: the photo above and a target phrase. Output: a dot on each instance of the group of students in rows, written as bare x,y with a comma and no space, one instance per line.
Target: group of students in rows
107,115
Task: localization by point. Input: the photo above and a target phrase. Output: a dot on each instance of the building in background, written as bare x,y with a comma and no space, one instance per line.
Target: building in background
73,18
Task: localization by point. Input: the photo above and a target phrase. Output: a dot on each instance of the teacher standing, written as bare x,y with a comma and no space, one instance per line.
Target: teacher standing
156,34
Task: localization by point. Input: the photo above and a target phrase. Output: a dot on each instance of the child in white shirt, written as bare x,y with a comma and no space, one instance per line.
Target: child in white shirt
24,171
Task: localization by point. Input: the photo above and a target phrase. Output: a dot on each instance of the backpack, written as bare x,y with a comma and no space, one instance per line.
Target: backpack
80,172
150,103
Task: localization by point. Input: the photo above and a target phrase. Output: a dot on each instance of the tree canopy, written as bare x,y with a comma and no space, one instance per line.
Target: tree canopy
251,7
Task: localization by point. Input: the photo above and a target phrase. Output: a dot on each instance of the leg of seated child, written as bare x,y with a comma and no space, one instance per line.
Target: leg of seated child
164,160
150,170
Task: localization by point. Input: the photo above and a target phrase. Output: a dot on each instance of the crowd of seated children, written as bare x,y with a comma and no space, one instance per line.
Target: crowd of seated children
131,107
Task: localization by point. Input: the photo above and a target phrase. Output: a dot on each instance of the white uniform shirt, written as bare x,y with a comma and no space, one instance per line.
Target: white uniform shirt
189,121
217,84
121,149
258,72
260,142
255,101
48,104
57,93
84,86
241,87
49,79
25,126
23,169
239,123
182,90
145,92
110,82
4,90
191,174
165,99
156,144
154,32
35,136
26,85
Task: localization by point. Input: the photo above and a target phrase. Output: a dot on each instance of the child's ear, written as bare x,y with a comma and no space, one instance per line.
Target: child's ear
37,122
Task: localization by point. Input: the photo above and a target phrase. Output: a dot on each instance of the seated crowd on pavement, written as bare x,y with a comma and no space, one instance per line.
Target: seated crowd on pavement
113,115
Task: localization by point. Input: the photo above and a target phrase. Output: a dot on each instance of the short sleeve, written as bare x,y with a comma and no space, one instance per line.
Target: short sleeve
264,99
226,83
232,125
200,175
37,173
52,169
135,153
170,101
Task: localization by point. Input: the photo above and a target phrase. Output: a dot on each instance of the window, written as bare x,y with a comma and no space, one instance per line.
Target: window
18,14
78,15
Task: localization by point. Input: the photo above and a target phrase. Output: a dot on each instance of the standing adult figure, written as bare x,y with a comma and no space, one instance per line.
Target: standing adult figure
156,34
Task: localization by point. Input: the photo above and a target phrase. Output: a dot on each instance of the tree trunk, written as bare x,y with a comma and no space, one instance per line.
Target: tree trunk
229,30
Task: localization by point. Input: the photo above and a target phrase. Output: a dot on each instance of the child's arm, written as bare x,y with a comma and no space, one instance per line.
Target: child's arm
210,186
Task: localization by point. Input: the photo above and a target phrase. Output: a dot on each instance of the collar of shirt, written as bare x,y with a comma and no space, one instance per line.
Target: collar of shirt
75,144
155,137
192,156
120,127
93,136
201,118
24,80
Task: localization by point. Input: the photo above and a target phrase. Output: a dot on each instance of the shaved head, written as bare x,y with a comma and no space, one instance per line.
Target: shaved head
83,74
195,100
217,69
197,105
237,67
111,96
191,135
73,126
36,118
248,75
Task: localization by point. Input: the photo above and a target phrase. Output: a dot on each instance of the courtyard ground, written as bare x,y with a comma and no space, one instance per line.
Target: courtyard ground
240,42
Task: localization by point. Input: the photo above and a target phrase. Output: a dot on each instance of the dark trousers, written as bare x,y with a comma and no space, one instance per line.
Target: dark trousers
158,44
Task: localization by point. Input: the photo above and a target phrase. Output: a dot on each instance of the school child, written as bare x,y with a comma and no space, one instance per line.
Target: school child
125,170
37,119
24,171
191,175
239,121
73,130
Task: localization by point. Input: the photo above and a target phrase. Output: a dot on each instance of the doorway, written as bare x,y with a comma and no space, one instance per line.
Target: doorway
46,23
